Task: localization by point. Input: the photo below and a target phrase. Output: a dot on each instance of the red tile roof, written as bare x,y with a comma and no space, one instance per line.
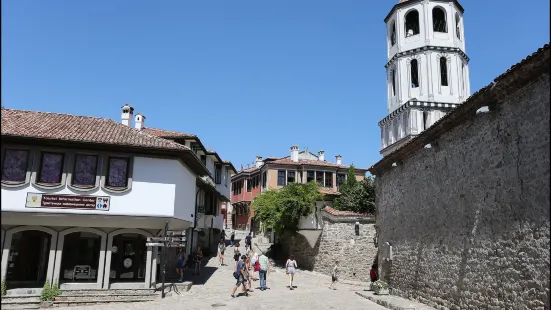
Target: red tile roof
305,162
328,191
335,212
86,129
67,127
167,133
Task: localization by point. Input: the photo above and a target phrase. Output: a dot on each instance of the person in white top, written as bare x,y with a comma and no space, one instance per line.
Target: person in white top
334,278
290,269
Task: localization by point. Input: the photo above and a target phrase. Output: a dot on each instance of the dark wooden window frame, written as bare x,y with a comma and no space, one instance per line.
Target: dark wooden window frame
41,162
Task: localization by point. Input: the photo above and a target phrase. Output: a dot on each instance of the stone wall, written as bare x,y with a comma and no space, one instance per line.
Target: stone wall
468,219
338,241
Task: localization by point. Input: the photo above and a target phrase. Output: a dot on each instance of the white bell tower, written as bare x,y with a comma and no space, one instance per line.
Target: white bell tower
427,68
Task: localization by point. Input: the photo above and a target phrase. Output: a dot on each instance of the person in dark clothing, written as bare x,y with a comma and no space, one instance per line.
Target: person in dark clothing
232,237
248,241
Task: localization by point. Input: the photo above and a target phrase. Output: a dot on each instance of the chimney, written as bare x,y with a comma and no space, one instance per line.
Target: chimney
339,159
259,161
321,155
127,113
294,153
139,122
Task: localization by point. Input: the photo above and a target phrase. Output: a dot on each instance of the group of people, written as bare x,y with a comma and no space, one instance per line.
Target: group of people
182,261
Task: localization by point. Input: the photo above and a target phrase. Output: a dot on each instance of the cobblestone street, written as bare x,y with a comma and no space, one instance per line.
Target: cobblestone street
311,293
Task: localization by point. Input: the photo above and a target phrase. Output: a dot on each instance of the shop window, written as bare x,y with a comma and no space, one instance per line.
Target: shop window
50,171
85,171
15,167
80,257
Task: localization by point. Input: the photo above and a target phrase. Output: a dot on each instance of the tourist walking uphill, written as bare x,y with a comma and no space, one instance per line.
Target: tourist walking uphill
290,269
221,250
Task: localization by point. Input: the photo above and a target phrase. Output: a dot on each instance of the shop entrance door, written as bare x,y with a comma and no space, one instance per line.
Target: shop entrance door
28,259
128,258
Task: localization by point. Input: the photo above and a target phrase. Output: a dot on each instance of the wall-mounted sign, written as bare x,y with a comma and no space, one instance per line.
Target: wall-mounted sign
82,272
36,200
127,263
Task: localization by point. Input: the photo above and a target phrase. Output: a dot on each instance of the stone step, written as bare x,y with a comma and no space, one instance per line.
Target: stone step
21,306
98,301
20,298
104,297
107,292
23,291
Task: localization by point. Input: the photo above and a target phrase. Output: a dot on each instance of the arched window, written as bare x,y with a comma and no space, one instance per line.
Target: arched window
443,71
414,73
412,23
393,33
439,20
457,27
393,72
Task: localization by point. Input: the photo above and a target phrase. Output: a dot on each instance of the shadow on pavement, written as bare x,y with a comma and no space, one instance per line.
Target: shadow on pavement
202,278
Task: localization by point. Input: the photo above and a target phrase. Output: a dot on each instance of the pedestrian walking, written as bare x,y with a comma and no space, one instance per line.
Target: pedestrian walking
240,275
198,259
264,271
373,273
223,235
180,263
232,237
236,254
248,242
290,269
334,278
255,266
247,271
221,249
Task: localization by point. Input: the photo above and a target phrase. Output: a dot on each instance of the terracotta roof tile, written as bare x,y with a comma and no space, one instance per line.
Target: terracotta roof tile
167,133
288,161
328,191
335,212
67,127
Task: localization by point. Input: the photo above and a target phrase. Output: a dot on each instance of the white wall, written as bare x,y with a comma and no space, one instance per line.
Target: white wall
154,185
222,188
310,222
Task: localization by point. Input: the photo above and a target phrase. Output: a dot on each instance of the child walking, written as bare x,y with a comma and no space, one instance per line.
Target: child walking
334,278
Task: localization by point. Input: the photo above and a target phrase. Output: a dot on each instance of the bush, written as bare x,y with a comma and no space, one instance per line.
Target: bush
380,285
55,289
3,288
47,291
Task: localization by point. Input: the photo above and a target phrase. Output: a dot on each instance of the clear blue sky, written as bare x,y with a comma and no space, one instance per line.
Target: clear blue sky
249,77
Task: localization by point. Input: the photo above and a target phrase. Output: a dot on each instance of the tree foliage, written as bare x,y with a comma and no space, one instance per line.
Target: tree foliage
357,196
282,209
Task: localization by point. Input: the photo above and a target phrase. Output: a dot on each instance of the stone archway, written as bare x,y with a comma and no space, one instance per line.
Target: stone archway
109,255
61,243
20,229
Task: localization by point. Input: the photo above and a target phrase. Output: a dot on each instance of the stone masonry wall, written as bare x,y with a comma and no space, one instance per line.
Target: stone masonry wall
469,219
338,241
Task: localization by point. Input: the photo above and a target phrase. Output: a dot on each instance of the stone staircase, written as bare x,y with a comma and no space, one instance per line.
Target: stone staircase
30,298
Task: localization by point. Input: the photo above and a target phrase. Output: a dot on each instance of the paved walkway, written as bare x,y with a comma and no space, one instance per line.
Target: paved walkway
311,293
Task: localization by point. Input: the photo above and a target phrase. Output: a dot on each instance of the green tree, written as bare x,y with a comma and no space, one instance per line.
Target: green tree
282,209
356,196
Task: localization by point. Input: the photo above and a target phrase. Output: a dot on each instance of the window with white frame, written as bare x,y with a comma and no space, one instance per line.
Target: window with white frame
15,166
412,23
439,23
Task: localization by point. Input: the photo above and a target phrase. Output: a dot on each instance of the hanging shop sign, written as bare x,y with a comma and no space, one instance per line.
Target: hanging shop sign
37,200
